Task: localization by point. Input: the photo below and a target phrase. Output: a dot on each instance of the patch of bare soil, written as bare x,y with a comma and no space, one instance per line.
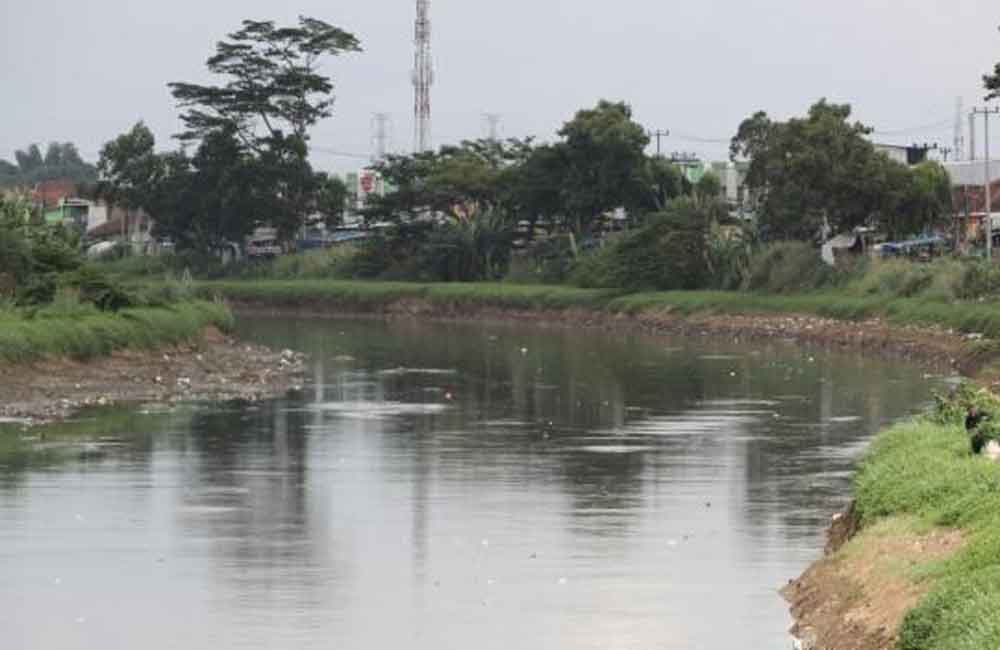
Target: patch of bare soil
215,367
856,598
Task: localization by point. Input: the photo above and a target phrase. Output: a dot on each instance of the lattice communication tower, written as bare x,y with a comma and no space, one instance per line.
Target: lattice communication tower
423,78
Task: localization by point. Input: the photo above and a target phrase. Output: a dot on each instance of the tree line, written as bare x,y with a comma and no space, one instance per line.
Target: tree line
61,161
245,162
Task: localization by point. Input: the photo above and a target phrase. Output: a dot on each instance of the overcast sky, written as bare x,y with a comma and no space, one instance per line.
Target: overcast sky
86,71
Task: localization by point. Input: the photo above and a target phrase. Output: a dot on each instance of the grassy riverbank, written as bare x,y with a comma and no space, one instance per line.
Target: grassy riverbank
979,317
929,545
85,333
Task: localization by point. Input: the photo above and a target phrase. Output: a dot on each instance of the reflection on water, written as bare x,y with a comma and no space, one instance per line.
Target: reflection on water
443,486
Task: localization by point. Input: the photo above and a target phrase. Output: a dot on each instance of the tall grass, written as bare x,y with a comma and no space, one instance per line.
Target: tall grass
840,304
91,334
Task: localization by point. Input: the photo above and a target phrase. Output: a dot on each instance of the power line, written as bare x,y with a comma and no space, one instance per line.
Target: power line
696,138
341,154
916,129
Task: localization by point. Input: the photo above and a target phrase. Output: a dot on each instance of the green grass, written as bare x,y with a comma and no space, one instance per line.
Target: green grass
924,470
980,317
89,334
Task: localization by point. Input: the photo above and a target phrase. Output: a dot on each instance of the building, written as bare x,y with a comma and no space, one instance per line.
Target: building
968,182
732,177
134,227
48,194
912,155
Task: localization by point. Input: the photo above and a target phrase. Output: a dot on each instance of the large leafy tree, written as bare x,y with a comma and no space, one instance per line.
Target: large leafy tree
130,168
458,181
808,172
603,150
273,92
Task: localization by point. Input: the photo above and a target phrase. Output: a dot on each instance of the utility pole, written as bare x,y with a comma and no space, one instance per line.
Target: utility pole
972,135
659,133
959,142
380,136
986,112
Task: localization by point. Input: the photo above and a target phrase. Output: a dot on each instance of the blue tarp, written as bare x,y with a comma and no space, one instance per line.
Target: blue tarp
912,243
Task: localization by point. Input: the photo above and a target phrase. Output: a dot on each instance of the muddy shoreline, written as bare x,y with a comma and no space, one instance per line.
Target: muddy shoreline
933,348
213,367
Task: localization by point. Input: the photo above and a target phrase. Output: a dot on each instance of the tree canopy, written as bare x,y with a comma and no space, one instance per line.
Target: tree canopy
821,170
274,88
992,83
257,121
61,161
603,153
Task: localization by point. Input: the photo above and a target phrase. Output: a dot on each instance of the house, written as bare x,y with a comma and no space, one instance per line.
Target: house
118,224
48,194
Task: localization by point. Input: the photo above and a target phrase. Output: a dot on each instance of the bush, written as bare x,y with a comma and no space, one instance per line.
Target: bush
666,254
979,280
334,262
786,267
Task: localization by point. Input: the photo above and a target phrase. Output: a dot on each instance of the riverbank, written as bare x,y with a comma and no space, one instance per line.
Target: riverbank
938,335
924,569
52,367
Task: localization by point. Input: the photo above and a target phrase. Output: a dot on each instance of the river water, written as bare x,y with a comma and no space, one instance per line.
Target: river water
447,486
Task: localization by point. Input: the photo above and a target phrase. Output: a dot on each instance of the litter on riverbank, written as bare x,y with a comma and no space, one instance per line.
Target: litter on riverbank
212,366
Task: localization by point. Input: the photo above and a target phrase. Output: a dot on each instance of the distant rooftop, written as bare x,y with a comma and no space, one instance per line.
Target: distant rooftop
972,172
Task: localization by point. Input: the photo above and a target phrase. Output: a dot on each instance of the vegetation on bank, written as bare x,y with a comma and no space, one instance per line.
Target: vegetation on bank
843,304
83,333
923,472
54,304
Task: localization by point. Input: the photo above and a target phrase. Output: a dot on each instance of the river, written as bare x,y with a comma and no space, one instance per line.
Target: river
440,486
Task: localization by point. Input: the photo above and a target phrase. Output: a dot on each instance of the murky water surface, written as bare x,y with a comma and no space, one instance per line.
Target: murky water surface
443,486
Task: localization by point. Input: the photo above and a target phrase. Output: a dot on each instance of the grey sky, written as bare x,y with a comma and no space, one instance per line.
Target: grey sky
85,71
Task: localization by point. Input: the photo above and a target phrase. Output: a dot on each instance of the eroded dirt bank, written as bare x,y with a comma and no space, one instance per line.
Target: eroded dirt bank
856,596
214,367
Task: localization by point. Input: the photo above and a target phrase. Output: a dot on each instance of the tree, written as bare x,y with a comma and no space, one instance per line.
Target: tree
130,168
603,152
929,199
992,83
808,172
331,198
708,187
274,93
460,181
30,159
61,161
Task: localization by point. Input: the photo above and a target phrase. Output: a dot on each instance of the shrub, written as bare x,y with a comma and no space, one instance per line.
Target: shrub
101,290
978,280
785,267
666,254
334,262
